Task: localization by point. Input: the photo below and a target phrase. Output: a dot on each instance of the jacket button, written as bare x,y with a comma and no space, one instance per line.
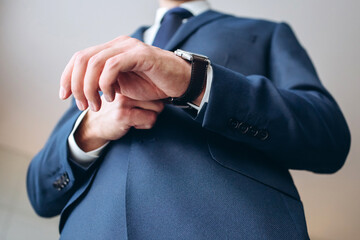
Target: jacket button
263,135
243,127
233,123
61,182
253,131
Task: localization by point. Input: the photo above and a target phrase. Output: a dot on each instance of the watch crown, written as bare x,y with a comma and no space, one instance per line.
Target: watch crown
183,54
189,56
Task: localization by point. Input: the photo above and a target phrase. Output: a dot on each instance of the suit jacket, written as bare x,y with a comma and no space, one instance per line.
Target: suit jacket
220,174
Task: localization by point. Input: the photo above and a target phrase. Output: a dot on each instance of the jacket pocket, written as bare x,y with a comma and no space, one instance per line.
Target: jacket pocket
253,164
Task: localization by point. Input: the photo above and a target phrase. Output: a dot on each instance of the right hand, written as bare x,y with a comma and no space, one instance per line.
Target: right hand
127,66
114,120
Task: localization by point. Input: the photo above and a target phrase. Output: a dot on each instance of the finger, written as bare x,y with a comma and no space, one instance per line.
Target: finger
77,80
156,106
91,80
126,102
65,81
123,62
116,88
66,77
142,119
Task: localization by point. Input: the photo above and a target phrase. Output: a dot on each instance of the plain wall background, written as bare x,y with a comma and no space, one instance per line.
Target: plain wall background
37,38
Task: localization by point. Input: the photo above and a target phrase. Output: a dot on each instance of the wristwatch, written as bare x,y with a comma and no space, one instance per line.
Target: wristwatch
199,66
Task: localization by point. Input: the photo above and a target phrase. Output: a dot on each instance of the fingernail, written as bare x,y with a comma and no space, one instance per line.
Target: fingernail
80,105
62,93
92,107
107,98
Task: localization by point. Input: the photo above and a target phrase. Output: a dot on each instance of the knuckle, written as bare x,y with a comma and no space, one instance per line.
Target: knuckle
143,50
134,41
80,57
77,92
76,54
117,40
111,63
122,37
94,61
89,92
103,84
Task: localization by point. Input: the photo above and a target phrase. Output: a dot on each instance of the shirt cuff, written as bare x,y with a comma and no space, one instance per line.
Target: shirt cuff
82,158
205,99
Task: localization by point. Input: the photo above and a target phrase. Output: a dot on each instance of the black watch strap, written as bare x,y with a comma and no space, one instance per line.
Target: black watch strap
199,66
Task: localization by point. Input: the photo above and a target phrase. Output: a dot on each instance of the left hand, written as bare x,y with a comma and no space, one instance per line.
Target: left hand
114,120
127,66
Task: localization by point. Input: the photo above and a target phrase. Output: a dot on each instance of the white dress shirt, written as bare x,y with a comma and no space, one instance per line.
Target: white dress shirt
196,8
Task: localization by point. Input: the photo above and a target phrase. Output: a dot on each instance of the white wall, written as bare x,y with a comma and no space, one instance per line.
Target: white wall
38,37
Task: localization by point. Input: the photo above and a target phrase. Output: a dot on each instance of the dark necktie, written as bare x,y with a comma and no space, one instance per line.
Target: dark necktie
171,21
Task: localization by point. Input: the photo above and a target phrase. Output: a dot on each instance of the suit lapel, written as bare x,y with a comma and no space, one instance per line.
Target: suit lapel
191,26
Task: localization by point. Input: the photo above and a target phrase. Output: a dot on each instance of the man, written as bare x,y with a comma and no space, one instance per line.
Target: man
139,166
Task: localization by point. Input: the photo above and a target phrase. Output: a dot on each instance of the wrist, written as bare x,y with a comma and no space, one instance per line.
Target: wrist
196,83
85,136
186,80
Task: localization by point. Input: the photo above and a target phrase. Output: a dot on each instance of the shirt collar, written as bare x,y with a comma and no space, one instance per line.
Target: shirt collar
196,7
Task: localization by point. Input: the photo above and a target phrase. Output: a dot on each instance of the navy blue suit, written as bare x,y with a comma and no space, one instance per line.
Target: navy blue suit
221,174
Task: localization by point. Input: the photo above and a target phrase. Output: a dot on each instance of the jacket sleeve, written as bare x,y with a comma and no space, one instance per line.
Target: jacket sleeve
288,116
52,176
